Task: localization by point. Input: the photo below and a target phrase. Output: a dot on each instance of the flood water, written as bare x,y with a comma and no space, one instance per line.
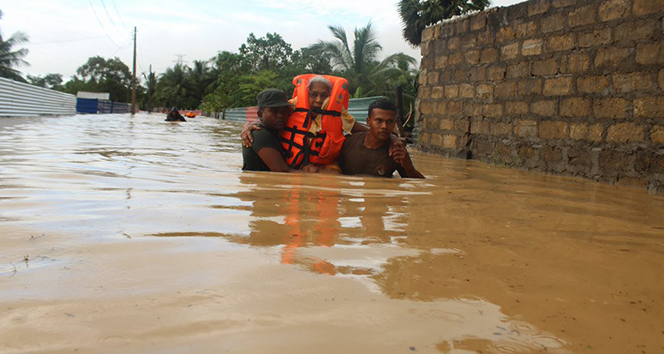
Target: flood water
133,235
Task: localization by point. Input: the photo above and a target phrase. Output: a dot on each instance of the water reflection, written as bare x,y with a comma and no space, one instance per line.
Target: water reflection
305,214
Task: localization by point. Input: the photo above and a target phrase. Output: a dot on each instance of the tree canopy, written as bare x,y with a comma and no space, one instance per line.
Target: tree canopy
52,81
11,57
359,63
102,75
416,15
232,79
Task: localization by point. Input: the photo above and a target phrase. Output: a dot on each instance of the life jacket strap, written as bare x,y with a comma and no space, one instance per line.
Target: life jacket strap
316,111
303,149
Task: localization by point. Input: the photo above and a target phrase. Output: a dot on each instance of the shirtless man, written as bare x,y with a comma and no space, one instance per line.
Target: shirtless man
368,153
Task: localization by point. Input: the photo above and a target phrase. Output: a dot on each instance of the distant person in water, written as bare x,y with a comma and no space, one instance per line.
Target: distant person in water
266,152
175,116
368,153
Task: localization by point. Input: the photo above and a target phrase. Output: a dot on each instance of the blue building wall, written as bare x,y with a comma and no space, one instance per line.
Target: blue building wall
86,105
95,106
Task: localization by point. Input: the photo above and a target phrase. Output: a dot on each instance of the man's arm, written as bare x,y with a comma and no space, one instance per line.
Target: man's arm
401,156
359,127
245,135
273,159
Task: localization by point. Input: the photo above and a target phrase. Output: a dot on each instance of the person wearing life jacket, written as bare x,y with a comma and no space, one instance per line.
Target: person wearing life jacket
315,131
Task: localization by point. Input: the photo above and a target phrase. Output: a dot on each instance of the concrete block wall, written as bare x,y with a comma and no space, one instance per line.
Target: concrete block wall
572,87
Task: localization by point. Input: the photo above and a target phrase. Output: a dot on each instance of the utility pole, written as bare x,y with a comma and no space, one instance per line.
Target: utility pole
133,80
180,60
150,89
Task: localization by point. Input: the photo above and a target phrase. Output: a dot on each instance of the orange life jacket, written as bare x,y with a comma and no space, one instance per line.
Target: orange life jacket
300,145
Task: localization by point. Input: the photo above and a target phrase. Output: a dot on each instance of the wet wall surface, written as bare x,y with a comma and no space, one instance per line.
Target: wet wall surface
135,235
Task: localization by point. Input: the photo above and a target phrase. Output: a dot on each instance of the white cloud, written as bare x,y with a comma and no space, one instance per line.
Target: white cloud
64,34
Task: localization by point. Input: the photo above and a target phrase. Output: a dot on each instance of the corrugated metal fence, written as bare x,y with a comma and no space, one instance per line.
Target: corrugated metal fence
94,106
357,107
18,99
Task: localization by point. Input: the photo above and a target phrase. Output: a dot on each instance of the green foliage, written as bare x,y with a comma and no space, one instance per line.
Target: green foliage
176,88
359,64
234,79
310,59
416,15
262,63
354,63
10,57
52,81
148,100
203,79
102,75
227,67
266,53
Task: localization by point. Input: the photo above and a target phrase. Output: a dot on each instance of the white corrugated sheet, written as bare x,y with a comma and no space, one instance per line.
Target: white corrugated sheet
18,99
97,95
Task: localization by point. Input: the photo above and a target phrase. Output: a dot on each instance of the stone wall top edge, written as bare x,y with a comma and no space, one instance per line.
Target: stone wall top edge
455,20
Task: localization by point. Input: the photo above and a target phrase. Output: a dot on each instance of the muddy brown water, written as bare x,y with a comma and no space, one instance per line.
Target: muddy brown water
134,235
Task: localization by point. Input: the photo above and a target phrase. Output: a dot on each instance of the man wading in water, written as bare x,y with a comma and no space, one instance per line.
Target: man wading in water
266,153
175,116
367,153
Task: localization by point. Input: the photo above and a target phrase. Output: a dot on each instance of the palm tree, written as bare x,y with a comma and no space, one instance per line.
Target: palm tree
202,78
151,87
175,88
418,14
359,63
396,69
10,58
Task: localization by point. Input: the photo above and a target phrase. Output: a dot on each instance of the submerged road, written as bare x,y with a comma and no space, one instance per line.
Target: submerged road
134,235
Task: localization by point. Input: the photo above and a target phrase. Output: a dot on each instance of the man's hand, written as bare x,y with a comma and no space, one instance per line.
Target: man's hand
247,139
401,156
395,142
310,168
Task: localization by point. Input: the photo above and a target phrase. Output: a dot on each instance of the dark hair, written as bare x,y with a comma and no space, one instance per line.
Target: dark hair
382,103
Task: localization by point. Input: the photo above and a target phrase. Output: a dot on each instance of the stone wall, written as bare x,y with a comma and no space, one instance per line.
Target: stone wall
572,87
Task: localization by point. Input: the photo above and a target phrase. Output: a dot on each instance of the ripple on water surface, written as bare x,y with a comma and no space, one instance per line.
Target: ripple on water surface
475,258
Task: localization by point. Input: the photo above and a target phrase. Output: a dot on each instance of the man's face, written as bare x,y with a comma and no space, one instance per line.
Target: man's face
381,123
274,118
318,92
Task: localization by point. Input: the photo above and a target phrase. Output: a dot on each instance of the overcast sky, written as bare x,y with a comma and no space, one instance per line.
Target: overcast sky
65,33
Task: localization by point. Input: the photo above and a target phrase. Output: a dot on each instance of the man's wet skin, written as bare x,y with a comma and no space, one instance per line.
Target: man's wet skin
382,122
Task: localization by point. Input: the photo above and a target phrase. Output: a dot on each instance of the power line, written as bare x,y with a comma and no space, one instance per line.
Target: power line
120,16
107,14
102,26
140,58
124,45
67,40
